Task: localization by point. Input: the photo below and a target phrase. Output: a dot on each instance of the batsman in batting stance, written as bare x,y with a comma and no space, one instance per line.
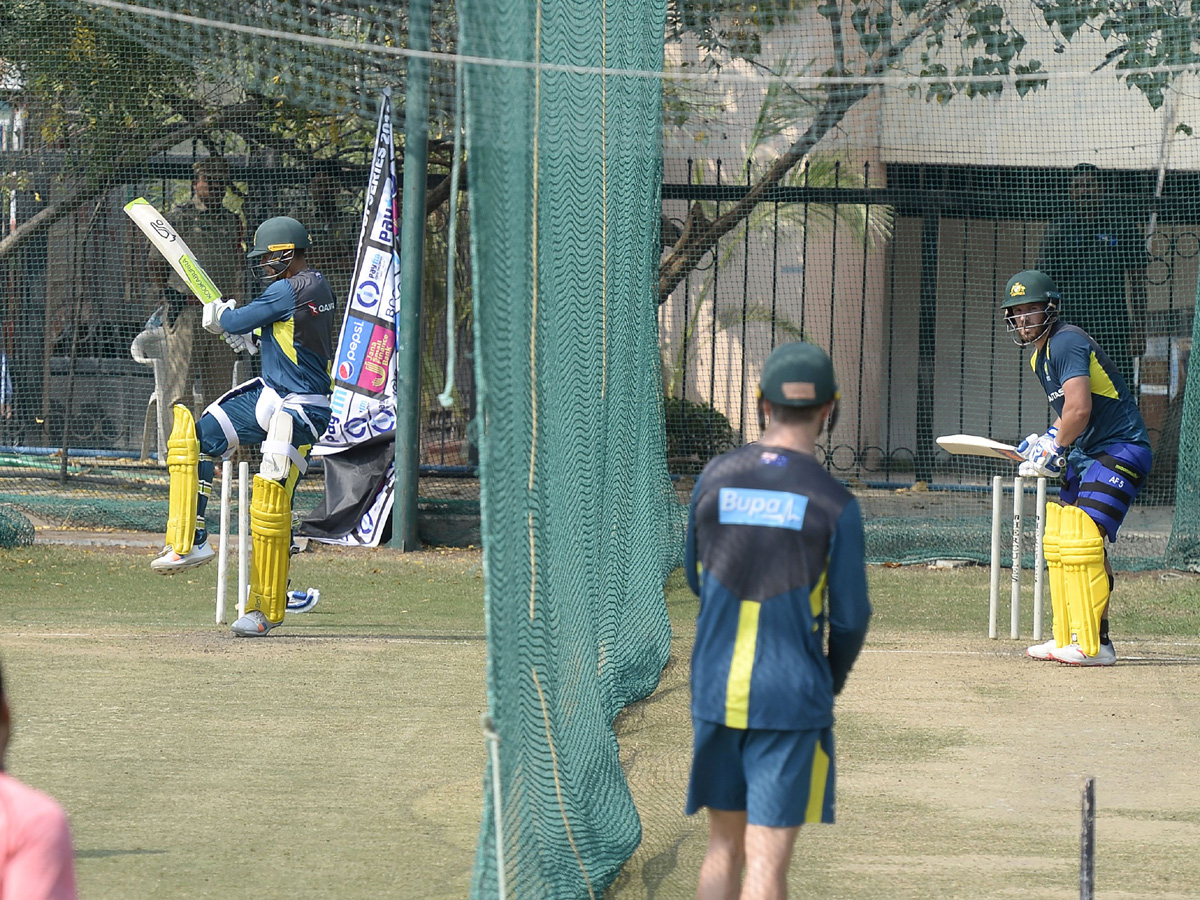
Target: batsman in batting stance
285,410
1100,448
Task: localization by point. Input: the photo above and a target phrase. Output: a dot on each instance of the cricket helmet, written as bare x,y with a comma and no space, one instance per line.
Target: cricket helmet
275,244
1030,286
279,234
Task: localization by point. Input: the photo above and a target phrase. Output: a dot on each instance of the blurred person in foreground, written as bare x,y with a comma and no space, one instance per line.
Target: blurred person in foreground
775,553
36,859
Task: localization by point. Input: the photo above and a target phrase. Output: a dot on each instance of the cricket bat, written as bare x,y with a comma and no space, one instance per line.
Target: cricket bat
173,248
972,445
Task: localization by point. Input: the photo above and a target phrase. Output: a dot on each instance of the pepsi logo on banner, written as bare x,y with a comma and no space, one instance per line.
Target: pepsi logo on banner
356,335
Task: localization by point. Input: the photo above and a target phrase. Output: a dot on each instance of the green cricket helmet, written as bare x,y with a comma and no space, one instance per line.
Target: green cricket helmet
275,244
800,374
1030,286
279,234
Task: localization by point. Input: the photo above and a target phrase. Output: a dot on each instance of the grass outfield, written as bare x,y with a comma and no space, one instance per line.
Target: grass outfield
342,756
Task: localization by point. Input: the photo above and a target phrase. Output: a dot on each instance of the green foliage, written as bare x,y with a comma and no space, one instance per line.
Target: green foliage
728,29
87,88
695,434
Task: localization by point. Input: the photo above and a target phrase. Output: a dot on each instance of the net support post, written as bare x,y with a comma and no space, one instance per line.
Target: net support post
412,255
1087,842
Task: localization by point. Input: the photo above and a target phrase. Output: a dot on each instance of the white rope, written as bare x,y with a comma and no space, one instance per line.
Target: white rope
721,77
446,397
493,740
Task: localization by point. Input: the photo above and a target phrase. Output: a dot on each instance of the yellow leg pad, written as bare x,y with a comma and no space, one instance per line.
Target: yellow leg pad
1085,583
183,455
1058,599
271,536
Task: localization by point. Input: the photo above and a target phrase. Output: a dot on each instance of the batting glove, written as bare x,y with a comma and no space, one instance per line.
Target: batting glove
1046,460
240,343
1038,445
211,319
1024,447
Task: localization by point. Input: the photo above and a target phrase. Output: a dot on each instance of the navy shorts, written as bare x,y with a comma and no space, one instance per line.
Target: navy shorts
238,417
780,778
1104,486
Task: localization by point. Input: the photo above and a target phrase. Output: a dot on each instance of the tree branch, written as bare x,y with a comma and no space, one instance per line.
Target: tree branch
703,237
126,165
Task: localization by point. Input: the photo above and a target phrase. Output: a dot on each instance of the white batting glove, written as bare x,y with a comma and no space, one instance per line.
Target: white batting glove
1026,446
211,319
1046,462
241,343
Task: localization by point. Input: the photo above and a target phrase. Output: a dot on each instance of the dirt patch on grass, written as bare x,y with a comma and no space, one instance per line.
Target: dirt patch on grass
960,765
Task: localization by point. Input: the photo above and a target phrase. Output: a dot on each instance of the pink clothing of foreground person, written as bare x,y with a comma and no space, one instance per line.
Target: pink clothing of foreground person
35,845
36,861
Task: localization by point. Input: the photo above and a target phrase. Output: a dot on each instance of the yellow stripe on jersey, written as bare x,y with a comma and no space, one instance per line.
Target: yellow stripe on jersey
737,688
817,785
816,598
1101,384
285,336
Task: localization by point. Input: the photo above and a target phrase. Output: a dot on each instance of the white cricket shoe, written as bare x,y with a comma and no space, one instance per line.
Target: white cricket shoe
253,624
170,562
1042,651
1072,655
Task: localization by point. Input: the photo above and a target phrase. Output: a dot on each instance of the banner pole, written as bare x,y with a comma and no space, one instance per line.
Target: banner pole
412,255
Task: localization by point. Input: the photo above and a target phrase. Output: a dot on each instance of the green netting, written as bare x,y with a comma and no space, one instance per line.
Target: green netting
579,518
15,529
655,197
1183,550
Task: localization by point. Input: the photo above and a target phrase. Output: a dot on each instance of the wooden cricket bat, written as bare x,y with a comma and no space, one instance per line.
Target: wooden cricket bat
972,445
173,248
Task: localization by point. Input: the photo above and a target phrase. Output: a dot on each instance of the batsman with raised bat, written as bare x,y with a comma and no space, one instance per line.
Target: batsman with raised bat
1100,448
285,410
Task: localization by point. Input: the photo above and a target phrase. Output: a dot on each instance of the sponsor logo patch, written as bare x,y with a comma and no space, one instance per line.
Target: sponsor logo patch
767,509
800,390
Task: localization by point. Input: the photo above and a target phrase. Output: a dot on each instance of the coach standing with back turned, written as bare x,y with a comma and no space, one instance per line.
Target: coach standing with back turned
775,553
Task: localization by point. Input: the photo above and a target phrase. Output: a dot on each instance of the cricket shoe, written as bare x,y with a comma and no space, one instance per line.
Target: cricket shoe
171,562
1073,655
303,601
253,624
1042,651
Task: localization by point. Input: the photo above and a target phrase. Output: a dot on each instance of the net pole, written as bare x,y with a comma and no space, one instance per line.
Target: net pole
412,256
1087,842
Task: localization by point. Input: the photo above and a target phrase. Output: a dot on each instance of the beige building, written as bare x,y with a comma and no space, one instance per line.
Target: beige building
857,290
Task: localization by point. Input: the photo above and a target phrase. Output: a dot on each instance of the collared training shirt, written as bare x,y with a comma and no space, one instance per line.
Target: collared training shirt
775,552
296,318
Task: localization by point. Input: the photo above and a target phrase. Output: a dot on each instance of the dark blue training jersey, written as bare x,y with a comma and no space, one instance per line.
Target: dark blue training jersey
296,318
770,534
1071,352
